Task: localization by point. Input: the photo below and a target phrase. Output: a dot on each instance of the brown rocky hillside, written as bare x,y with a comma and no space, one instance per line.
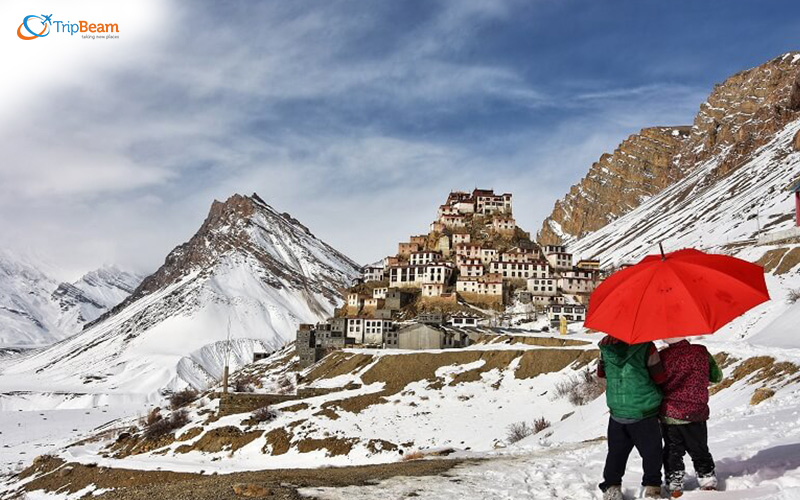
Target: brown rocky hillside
617,183
740,115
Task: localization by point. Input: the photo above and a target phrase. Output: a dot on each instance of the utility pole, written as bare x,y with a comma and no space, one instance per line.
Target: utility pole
226,368
758,224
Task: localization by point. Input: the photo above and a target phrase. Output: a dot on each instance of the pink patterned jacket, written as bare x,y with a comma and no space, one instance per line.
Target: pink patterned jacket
686,387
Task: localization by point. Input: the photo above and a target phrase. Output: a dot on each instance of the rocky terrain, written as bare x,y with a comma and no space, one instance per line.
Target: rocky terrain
740,115
617,183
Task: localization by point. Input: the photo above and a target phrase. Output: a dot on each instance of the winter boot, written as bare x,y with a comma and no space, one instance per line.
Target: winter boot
675,483
707,482
652,492
613,493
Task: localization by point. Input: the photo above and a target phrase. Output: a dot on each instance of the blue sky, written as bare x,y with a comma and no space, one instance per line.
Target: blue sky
355,117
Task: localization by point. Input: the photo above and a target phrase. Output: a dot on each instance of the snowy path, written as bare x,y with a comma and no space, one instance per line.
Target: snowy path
757,450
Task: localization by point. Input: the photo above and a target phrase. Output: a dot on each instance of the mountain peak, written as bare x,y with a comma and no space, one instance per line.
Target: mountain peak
250,273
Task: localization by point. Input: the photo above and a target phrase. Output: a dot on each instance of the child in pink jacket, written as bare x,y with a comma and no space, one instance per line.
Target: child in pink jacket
684,411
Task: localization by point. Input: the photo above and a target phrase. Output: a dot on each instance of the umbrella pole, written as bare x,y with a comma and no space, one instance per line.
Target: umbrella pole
660,247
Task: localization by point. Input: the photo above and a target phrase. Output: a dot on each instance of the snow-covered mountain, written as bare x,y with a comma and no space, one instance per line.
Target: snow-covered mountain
250,272
28,315
93,295
36,309
723,214
740,116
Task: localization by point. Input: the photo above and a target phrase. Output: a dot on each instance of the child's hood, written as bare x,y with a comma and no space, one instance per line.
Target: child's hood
619,353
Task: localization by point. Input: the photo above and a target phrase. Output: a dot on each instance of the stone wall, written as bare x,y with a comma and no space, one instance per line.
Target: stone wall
232,402
238,402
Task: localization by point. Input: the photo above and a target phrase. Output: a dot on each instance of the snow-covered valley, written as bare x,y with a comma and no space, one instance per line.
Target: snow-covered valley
250,275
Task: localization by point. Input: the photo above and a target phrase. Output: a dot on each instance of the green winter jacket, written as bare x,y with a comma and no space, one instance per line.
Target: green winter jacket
630,392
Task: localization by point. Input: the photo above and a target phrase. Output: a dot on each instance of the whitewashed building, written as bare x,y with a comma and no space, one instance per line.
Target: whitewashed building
468,250
546,287
355,300
471,267
491,285
355,329
511,270
375,330
466,206
438,272
572,312
453,221
379,292
504,224
540,269
415,276
515,255
447,210
462,319
576,285
487,255
432,289
374,273
459,238
559,260
486,202
424,257
406,276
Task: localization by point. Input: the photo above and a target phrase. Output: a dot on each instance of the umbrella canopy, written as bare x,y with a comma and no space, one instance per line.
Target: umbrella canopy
679,294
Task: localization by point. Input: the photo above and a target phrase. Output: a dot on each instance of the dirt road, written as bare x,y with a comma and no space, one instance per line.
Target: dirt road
55,475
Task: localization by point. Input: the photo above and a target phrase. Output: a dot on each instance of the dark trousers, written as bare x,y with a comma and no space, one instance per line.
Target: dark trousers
645,435
680,439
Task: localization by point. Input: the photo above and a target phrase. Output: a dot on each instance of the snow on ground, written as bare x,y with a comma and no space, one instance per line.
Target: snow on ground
757,448
27,434
757,451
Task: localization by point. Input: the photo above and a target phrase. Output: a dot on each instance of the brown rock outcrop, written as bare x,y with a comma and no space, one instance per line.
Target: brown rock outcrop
640,167
742,114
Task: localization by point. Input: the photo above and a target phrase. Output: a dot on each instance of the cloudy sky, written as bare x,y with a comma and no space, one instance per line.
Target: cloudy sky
355,117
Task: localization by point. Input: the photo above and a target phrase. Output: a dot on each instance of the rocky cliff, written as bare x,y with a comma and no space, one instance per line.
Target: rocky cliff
617,183
741,115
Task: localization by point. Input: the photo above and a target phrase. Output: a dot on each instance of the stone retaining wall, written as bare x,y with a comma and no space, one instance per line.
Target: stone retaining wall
232,403
246,402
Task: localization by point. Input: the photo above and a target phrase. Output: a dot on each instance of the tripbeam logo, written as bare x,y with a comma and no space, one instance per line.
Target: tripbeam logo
34,27
28,29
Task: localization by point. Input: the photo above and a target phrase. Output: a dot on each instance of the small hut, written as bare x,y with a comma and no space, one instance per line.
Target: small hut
794,187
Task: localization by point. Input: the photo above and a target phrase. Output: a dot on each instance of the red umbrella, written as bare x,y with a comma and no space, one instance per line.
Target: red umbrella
679,294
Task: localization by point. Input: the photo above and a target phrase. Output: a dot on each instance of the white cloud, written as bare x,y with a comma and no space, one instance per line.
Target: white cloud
114,153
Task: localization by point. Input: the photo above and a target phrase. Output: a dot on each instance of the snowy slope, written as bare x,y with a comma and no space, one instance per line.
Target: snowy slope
757,452
718,209
28,315
250,267
701,211
93,295
36,309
